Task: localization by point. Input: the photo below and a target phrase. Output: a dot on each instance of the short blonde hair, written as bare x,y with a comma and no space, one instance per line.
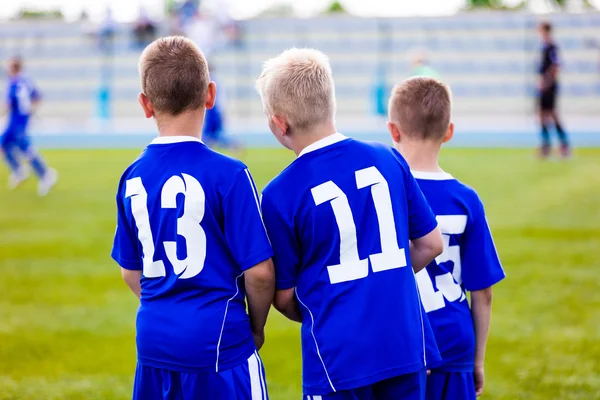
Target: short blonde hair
298,84
421,107
174,75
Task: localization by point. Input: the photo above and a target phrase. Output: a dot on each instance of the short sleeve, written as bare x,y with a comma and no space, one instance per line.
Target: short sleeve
125,249
421,219
481,266
243,225
285,245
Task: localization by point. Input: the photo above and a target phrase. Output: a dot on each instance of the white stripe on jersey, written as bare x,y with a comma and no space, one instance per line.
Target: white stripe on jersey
312,331
237,290
263,379
253,187
255,384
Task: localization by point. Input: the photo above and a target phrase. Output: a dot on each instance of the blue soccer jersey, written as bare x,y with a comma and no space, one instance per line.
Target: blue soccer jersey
340,218
189,218
21,94
469,262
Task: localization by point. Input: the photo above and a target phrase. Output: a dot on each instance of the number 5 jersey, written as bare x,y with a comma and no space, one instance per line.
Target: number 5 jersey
340,218
469,262
189,218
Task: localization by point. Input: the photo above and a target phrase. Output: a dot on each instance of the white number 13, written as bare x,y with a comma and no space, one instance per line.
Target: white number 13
351,267
188,225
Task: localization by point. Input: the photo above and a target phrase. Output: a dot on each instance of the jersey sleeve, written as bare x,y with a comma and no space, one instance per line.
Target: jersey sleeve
125,249
481,266
244,230
285,245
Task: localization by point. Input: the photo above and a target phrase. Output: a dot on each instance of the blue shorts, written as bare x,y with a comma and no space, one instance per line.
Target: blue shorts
244,382
450,386
15,136
405,387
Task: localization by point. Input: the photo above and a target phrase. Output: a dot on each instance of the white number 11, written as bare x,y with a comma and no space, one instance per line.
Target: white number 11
351,267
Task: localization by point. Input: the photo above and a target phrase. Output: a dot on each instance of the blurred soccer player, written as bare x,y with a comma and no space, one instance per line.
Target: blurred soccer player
348,225
213,132
548,90
191,244
419,62
419,123
23,97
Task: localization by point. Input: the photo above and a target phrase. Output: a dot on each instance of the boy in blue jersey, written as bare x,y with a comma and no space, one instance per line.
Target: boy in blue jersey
348,225
23,97
213,131
191,244
419,114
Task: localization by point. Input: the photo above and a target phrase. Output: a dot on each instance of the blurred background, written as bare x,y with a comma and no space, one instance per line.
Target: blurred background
83,56
67,321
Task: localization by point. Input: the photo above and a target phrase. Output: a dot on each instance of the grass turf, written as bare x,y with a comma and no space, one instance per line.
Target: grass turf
67,320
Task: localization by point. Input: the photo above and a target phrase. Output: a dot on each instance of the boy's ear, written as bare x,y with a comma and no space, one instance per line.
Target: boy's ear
211,95
394,132
146,105
449,133
281,124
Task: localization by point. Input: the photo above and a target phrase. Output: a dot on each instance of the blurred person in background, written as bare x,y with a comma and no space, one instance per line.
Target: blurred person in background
23,98
186,14
106,31
213,131
144,29
419,64
547,93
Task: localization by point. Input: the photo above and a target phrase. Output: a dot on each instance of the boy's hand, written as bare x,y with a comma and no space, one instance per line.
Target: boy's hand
479,377
259,339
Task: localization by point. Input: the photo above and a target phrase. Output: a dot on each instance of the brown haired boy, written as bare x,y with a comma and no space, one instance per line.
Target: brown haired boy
191,244
420,122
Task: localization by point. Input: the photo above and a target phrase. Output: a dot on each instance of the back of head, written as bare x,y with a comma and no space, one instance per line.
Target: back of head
15,66
298,85
421,108
174,75
546,27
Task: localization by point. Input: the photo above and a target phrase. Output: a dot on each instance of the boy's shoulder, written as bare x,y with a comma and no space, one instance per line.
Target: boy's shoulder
444,188
179,156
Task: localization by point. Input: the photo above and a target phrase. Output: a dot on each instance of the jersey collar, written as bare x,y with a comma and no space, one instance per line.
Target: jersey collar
432,176
175,139
326,141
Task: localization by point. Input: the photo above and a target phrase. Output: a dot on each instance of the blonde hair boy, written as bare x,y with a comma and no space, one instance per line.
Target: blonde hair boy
341,195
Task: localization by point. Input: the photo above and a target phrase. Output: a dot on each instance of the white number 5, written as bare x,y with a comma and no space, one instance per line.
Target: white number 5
351,267
188,225
448,284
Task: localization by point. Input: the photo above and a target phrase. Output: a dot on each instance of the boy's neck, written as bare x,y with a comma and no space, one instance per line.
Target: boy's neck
303,139
188,123
420,155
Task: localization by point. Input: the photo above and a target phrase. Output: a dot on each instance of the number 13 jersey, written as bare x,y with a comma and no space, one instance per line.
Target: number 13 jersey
340,218
189,218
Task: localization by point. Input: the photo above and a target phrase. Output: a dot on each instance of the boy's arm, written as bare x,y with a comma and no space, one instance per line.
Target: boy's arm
248,242
287,256
481,310
260,287
132,279
425,249
125,249
286,303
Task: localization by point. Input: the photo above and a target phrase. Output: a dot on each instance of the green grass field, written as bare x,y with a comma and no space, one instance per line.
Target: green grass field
67,319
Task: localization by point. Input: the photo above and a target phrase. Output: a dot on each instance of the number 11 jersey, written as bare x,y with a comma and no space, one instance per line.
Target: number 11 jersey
340,218
189,218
